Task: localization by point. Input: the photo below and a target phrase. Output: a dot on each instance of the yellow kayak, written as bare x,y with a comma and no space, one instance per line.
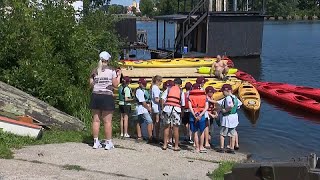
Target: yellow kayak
169,63
219,95
249,96
206,70
217,84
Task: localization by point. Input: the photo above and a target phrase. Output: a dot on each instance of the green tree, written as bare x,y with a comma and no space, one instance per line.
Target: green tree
49,55
166,7
116,9
146,7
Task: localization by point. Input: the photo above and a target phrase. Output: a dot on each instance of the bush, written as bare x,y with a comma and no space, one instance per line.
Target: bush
47,54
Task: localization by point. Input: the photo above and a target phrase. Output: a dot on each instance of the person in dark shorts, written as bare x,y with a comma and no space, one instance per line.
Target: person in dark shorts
125,97
212,115
103,80
186,115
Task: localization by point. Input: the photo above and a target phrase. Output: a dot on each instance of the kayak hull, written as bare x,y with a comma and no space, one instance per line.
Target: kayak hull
249,97
245,76
313,93
289,98
171,63
206,70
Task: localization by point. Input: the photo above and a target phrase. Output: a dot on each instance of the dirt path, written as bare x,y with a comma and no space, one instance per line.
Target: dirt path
129,160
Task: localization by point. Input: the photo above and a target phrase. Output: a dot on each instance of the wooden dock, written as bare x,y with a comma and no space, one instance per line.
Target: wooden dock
164,72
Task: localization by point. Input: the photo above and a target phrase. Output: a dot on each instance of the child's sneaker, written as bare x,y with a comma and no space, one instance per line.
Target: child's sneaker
109,145
96,144
121,135
126,136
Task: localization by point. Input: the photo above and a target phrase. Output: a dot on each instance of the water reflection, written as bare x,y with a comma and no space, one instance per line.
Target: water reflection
249,65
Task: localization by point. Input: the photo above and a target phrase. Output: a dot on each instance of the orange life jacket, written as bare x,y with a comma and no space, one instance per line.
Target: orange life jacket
198,100
174,96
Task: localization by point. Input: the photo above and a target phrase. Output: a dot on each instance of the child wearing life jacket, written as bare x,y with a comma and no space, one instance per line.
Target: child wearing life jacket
198,105
201,80
229,119
166,85
212,114
125,96
173,106
143,109
186,115
155,104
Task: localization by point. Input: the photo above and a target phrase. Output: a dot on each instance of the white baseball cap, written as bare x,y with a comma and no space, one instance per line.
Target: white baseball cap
104,55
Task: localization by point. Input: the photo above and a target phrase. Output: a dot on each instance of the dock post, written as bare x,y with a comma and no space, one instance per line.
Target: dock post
164,34
210,5
157,39
235,4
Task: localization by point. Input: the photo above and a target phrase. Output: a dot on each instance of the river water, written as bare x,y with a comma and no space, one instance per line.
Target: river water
290,54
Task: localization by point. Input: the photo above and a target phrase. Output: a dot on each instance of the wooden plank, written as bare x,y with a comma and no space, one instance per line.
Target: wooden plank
164,72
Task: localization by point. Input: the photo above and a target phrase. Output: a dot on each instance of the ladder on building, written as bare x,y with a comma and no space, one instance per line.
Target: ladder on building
196,16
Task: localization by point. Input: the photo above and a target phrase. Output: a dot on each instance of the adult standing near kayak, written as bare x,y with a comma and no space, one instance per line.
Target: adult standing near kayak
220,68
103,79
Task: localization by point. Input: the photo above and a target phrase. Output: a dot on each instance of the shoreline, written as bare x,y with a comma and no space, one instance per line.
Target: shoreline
267,18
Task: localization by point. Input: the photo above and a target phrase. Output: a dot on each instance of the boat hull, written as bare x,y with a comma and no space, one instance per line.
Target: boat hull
289,98
245,76
20,128
249,97
313,93
206,70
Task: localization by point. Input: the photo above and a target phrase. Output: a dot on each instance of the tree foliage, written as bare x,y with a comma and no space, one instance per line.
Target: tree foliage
117,9
146,7
46,53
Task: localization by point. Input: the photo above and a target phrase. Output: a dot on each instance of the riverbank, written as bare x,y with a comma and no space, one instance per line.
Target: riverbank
291,18
129,160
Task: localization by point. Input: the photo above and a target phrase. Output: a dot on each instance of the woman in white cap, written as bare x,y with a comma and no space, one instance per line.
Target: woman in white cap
103,80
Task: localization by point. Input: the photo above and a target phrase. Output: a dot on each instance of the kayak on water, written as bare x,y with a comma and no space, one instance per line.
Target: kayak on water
249,97
245,76
171,63
313,93
289,98
206,70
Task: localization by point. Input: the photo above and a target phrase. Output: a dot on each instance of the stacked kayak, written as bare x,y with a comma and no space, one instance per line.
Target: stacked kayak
289,98
249,97
244,76
219,95
206,70
313,93
171,63
217,84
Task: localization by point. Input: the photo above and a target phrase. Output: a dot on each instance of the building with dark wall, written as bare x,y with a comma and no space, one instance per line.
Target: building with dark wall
217,27
235,34
126,27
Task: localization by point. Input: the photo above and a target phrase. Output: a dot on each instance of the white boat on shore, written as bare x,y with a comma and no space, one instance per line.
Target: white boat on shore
20,128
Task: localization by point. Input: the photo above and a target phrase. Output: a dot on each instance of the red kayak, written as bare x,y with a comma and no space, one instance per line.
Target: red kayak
313,93
245,76
289,98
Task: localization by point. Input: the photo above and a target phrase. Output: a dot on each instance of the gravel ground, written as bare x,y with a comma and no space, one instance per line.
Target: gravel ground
129,160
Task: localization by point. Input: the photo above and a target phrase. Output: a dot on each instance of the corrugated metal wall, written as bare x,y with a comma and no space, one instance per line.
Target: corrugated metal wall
235,35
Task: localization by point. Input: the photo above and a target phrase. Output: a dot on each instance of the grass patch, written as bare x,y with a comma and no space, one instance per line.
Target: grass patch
224,167
73,167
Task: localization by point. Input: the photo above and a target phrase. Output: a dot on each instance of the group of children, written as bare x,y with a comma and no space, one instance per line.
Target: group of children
172,107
